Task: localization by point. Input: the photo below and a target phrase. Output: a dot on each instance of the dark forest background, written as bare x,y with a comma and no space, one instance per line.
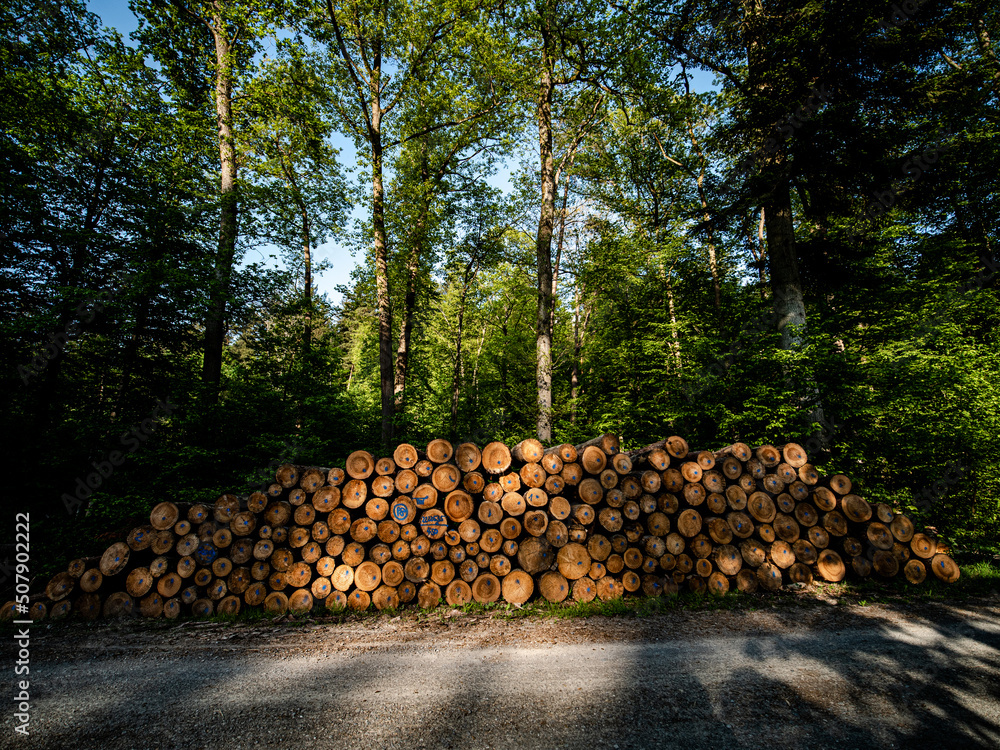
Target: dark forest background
807,253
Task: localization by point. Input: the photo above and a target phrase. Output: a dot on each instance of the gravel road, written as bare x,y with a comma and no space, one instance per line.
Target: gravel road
816,676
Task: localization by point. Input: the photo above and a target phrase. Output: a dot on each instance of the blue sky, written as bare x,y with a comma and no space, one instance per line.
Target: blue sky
116,14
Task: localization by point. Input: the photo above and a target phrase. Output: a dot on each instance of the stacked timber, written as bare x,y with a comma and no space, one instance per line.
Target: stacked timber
461,524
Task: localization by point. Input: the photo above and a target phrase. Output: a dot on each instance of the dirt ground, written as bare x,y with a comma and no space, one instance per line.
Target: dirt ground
817,674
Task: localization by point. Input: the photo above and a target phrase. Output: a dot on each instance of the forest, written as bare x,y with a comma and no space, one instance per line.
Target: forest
804,250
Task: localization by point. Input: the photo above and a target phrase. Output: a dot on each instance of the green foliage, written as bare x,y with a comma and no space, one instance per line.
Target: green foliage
111,189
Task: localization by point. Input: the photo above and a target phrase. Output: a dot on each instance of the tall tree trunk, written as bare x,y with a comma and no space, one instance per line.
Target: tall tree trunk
456,380
307,259
713,266
215,320
574,378
986,47
783,264
417,240
543,244
385,363
559,248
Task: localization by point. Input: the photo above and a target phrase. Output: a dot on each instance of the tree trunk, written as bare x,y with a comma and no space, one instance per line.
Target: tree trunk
417,240
215,320
786,288
307,260
543,246
386,372
456,380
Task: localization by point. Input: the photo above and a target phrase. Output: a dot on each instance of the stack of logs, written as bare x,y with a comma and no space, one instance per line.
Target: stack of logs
467,525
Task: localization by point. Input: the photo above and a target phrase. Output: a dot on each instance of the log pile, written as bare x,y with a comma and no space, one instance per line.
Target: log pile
460,524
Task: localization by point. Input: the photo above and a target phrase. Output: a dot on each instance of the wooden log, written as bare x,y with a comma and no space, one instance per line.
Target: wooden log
786,528
780,553
360,465
473,482
923,546
884,513
468,570
739,451
486,588
609,479
834,523
517,587
800,573
657,523
761,507
819,537
902,528
622,465
609,588
315,477
442,572
164,516
553,586
458,593
829,566
717,584
785,503
879,535
805,552
458,505
416,570
383,486
694,493
753,553
856,508
405,456
354,494
689,522
768,455
746,580
719,530
536,522
385,598
513,504
861,565
840,484
944,568
806,514
114,559
769,576
884,563
573,561
61,586
510,528
736,498
607,442
445,477
359,600
593,459
496,458
915,571
139,538
728,559
555,485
